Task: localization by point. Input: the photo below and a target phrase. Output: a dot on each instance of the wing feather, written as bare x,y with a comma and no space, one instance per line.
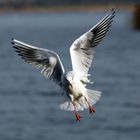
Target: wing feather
81,50
48,60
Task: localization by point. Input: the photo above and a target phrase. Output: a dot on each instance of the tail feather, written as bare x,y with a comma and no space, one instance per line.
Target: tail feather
92,95
68,106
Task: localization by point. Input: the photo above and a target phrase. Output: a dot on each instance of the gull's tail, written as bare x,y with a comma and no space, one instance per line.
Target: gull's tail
92,96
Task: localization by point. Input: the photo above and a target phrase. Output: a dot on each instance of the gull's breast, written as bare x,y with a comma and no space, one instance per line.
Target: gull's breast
77,88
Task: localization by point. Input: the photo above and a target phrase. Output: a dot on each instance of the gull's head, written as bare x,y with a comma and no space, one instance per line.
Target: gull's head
69,76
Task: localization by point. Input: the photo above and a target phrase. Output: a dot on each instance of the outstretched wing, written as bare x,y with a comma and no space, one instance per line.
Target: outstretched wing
48,60
81,50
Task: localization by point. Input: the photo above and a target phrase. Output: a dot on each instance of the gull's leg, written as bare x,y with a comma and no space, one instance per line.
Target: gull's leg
77,115
91,108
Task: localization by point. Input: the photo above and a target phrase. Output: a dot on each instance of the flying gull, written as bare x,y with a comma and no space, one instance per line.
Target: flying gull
74,82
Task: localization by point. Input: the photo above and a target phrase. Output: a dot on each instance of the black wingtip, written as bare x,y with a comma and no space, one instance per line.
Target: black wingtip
113,10
12,43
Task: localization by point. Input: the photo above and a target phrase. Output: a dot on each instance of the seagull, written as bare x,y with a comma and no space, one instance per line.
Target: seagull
73,82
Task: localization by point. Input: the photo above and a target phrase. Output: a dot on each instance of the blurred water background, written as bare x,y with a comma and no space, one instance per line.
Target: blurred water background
29,102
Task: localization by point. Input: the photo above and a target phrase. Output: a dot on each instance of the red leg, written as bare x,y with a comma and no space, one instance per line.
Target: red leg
77,115
91,108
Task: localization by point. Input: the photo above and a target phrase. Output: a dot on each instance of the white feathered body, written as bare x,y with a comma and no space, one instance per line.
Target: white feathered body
76,92
73,86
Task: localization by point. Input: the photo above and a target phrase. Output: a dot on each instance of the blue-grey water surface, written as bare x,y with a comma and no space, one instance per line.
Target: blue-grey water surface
29,102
